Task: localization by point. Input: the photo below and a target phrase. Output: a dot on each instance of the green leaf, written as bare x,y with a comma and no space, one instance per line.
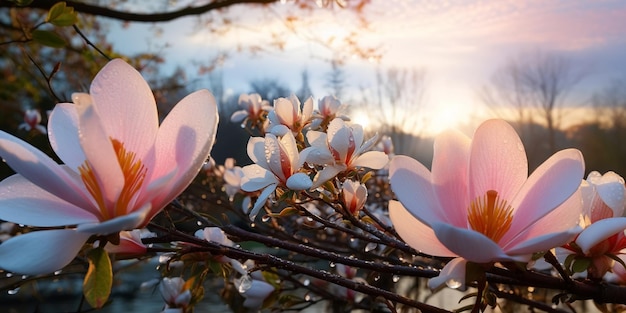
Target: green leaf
48,38
62,15
581,265
99,278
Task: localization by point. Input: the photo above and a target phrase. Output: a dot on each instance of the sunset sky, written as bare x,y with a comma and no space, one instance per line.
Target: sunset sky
459,43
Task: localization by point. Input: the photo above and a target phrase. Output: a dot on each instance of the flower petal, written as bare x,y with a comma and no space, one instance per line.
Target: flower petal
238,116
23,202
450,175
299,181
599,231
260,201
371,159
256,151
452,274
126,106
544,242
40,169
415,233
124,222
610,187
184,142
550,185
410,181
63,135
327,173
285,110
256,178
468,244
41,252
497,161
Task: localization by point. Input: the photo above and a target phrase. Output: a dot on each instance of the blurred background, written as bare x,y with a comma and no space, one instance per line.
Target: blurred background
405,68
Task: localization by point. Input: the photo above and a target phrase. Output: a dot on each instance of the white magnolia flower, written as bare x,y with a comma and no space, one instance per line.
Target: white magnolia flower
32,118
353,195
340,149
174,293
277,164
252,107
288,116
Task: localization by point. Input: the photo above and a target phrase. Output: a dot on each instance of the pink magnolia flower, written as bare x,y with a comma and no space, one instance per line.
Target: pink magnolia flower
252,286
252,106
130,243
479,204
340,149
329,108
288,116
32,118
277,164
603,235
121,167
353,195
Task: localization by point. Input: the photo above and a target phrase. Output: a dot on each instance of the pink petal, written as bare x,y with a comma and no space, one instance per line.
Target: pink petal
284,110
41,252
550,185
326,174
450,175
415,233
256,294
599,231
543,243
317,139
315,155
126,106
562,219
40,169
184,142
23,202
238,116
100,154
497,161
468,244
410,181
124,222
275,156
290,147
63,134
453,274
610,187
307,109
371,159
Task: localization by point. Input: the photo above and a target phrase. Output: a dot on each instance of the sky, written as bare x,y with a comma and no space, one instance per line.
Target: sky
460,44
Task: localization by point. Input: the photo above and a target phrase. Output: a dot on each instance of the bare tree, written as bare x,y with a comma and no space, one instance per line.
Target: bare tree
534,84
394,106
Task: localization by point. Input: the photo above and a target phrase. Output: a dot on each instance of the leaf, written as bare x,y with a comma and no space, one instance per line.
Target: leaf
581,265
99,278
48,38
61,15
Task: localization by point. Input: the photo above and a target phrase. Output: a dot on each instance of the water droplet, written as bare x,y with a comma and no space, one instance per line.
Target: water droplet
370,246
395,278
352,239
199,223
306,282
253,225
9,275
13,291
243,284
265,218
58,272
307,297
243,125
24,276
453,283
332,264
376,276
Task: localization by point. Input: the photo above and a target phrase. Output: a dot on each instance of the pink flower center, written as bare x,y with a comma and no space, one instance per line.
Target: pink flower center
490,215
134,174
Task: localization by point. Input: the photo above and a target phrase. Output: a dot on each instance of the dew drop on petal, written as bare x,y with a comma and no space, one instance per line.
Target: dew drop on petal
453,283
243,284
395,278
58,272
265,218
13,291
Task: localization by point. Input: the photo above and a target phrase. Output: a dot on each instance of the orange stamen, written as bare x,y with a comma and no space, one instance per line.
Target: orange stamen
490,215
134,174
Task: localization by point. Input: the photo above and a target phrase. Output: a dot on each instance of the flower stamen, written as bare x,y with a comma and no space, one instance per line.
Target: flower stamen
490,215
134,173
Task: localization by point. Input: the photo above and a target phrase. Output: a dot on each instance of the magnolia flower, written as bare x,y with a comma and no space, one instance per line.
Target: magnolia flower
32,118
130,243
479,205
288,116
328,109
353,195
603,236
277,164
385,145
252,106
340,149
252,286
174,293
121,168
